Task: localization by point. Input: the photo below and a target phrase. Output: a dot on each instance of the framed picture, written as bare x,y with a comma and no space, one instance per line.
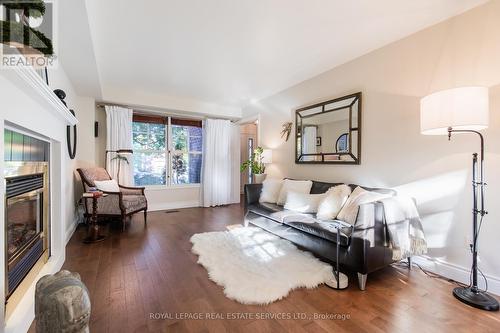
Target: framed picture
318,141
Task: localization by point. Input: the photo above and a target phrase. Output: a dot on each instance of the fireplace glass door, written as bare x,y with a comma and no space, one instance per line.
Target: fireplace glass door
24,221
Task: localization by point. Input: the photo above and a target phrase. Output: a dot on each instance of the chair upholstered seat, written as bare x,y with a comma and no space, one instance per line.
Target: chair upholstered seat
133,203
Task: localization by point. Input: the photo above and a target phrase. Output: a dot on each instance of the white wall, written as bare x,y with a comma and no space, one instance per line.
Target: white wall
85,152
462,51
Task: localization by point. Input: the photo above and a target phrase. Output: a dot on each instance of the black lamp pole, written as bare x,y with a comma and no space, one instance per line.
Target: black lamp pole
119,151
471,295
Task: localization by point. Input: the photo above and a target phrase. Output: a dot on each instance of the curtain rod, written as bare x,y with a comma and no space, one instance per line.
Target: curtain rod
165,112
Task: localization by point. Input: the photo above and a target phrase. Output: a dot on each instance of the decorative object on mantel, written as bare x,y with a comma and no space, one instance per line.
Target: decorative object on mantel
71,149
62,304
257,163
329,120
19,34
287,129
464,110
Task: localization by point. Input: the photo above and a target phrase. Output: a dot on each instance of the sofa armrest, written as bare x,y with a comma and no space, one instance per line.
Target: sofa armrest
370,224
369,215
252,193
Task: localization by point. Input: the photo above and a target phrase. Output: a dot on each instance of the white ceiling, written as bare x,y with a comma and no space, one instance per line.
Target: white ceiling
233,52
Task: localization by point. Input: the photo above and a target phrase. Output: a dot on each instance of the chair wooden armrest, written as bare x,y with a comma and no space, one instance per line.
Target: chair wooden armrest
132,190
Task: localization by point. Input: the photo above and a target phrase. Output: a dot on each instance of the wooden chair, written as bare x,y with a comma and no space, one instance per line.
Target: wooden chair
128,201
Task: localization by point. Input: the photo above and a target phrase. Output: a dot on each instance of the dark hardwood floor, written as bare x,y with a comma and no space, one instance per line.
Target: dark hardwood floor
151,270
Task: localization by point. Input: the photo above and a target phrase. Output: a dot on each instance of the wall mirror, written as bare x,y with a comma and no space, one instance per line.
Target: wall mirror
329,132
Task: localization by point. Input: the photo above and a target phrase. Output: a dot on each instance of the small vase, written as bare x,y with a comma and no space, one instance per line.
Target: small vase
259,177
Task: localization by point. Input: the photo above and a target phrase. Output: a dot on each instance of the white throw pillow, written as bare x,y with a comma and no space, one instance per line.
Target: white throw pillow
107,185
299,186
270,190
335,199
303,202
359,196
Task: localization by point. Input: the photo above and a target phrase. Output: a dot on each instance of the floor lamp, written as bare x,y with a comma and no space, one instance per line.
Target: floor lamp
463,110
118,152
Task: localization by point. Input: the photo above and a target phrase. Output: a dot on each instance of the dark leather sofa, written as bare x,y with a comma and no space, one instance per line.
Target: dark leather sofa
363,248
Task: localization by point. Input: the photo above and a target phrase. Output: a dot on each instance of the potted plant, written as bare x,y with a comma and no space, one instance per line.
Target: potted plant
256,165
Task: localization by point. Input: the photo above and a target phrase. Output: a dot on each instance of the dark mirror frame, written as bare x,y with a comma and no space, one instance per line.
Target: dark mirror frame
355,159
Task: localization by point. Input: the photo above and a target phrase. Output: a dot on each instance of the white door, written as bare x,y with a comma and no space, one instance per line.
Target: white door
248,144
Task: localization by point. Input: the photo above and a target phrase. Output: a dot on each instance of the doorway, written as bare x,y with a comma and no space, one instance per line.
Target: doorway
248,142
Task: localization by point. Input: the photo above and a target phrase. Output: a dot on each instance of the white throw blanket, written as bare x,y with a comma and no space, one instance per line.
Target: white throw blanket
406,235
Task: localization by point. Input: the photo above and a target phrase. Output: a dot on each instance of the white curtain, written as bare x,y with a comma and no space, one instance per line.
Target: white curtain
309,142
119,136
220,167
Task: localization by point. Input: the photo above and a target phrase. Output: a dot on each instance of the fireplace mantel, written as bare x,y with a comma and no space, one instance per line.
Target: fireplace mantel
28,77
29,106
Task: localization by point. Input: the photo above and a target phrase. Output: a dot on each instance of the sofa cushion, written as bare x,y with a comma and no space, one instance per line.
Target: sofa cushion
289,185
303,202
271,190
331,205
359,196
274,212
324,230
322,187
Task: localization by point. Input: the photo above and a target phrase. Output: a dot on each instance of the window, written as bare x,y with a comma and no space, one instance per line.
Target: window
167,151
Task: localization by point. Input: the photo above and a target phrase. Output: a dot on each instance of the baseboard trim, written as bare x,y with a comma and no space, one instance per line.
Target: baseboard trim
173,205
70,231
456,272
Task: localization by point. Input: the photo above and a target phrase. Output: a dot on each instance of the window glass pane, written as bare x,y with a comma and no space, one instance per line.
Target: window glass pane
151,160
179,138
149,168
146,136
186,168
195,139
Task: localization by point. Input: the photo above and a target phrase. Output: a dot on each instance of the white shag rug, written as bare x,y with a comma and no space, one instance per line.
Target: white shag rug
256,267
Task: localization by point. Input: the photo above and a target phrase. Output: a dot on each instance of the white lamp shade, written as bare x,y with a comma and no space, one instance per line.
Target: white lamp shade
464,108
267,156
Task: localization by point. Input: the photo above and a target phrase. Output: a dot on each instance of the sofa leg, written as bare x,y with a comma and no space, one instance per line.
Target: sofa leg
123,223
409,263
145,217
362,281
245,221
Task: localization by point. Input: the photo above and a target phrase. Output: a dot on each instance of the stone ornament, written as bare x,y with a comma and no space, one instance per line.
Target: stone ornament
62,304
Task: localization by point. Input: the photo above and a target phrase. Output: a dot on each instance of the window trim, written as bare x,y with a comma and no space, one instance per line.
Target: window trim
169,151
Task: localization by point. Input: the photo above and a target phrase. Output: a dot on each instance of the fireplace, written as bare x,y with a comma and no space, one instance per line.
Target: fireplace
26,206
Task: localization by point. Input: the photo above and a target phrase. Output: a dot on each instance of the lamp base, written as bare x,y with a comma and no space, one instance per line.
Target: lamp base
477,299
